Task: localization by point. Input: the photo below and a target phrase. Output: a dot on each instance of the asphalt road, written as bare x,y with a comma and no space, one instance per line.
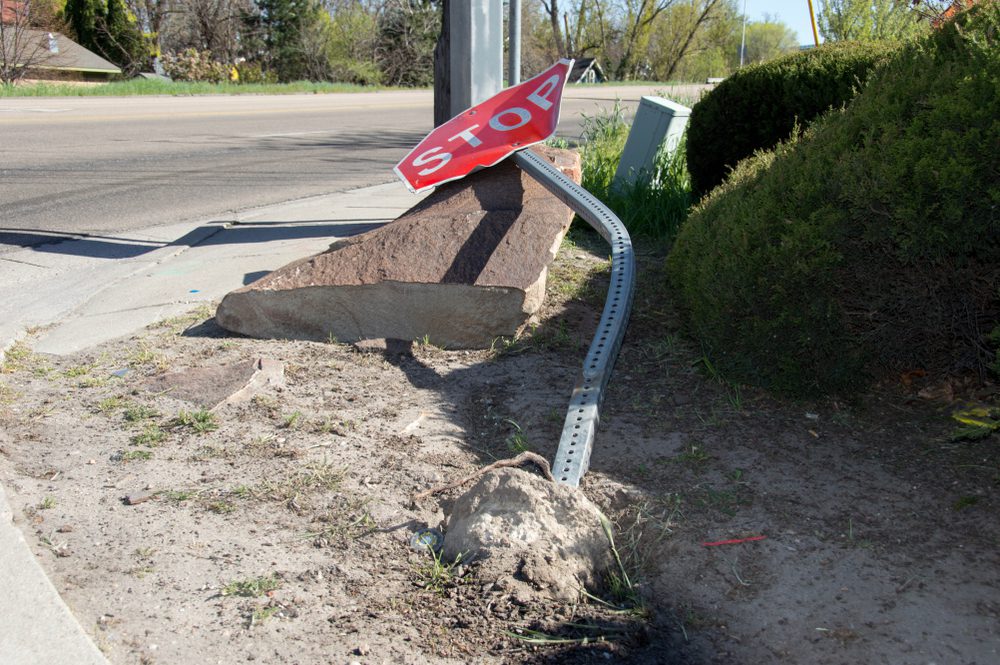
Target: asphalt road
118,164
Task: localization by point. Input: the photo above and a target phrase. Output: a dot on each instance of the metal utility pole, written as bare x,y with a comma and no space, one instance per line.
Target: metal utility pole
514,43
476,52
743,39
812,22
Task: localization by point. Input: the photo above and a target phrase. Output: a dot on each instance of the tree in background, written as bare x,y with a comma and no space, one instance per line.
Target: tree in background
82,15
407,33
767,40
120,39
352,43
841,20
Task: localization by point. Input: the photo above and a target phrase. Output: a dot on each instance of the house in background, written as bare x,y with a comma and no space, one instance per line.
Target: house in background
587,70
68,61
47,56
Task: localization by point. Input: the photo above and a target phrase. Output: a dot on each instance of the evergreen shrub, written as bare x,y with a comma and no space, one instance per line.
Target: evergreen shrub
760,105
868,246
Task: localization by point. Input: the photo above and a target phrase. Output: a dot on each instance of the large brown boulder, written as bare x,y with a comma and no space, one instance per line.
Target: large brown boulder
463,267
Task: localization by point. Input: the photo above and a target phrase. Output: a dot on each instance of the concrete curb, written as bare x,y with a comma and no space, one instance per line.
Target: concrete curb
36,626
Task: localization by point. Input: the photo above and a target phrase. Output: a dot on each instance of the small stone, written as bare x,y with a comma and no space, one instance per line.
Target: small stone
65,528
362,650
138,497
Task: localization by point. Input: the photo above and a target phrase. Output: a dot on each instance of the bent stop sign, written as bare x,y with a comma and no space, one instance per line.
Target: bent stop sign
511,120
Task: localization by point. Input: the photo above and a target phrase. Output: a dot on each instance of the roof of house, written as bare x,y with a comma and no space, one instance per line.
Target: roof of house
65,54
583,65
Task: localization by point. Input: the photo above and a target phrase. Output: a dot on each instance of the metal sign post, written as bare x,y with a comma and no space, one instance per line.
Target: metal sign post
476,52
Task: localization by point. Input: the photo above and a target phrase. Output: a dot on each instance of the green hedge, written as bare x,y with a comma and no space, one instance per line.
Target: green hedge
869,245
760,105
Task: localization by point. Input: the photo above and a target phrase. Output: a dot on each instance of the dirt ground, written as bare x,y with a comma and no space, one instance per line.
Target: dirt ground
278,529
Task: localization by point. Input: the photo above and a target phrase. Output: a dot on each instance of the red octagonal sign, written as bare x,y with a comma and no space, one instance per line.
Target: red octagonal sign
511,120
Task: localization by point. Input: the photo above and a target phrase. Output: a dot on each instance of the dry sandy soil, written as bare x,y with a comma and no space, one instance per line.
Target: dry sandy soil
278,529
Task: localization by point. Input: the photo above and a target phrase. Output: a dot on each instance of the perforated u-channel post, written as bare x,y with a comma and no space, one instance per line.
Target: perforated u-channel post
577,440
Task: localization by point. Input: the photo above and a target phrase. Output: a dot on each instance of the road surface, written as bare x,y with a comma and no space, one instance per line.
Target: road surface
98,165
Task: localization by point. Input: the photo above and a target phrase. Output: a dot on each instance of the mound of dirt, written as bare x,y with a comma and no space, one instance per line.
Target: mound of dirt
549,537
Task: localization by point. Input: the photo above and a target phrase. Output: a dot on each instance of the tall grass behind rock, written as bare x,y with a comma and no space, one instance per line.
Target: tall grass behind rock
652,208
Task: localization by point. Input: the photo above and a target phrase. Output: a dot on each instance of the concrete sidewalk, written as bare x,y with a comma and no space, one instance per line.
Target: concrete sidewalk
84,291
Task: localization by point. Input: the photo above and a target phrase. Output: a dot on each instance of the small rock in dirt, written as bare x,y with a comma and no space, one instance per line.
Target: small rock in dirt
65,528
516,522
138,497
362,650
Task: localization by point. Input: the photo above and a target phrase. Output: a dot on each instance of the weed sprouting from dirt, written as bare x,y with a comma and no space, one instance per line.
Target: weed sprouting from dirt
110,404
20,358
252,587
517,442
126,456
293,420
135,413
151,435
143,356
294,489
201,421
437,574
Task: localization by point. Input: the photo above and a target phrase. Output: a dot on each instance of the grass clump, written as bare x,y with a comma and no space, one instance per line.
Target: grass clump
137,87
437,574
653,207
868,246
151,436
201,421
252,587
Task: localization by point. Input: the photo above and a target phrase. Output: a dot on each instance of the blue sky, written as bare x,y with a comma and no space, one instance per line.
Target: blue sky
793,13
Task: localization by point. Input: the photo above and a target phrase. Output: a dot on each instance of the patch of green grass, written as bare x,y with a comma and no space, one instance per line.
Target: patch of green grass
262,614
7,395
436,574
517,442
135,455
91,381
135,87
77,371
294,487
143,355
221,507
201,421
151,436
138,412
656,204
293,420
20,358
252,587
695,455
47,503
180,323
